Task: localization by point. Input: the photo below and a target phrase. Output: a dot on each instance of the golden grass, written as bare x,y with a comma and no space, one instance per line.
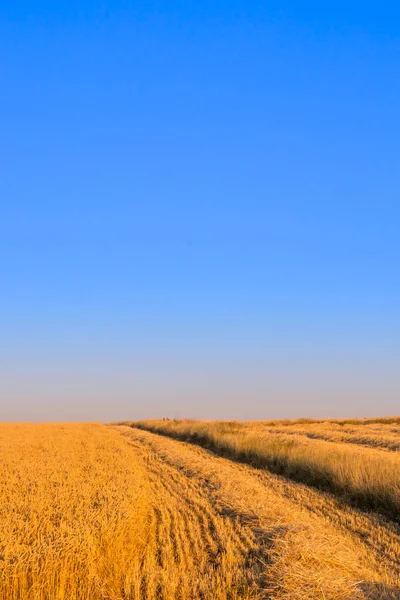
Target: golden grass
378,433
384,440
364,476
89,512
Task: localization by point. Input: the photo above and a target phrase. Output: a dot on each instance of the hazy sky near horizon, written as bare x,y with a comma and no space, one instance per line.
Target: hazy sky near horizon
199,209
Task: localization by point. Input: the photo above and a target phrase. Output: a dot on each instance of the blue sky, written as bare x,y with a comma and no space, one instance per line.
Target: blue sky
199,209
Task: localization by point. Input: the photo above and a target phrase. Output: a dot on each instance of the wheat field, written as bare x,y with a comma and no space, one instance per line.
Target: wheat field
200,510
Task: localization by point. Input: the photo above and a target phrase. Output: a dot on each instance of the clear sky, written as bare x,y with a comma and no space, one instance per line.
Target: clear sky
200,209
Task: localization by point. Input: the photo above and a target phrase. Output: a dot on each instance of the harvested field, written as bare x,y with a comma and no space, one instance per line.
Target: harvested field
92,512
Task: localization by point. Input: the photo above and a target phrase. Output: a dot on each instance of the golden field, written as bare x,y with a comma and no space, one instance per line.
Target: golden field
266,510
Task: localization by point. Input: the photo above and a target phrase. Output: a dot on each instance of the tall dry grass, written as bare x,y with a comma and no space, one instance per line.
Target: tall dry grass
366,477
383,436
